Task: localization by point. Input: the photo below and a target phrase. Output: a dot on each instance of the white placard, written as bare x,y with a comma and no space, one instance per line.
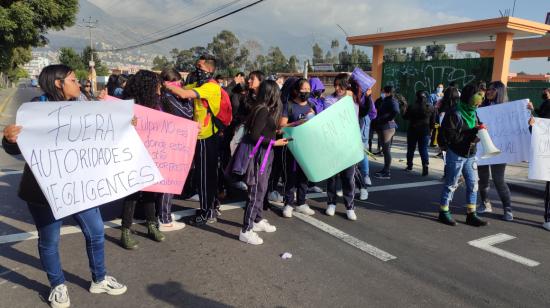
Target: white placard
84,154
539,162
508,126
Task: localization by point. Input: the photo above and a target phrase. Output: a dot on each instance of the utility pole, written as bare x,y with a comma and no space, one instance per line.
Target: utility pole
92,76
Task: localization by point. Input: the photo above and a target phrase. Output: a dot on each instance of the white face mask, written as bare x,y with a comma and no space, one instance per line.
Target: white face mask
383,95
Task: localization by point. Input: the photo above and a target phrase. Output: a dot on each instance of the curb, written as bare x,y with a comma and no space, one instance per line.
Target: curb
6,100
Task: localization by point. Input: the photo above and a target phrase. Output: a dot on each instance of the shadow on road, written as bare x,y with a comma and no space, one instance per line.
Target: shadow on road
174,294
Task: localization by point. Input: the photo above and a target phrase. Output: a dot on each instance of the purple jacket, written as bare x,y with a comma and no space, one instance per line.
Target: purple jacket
318,103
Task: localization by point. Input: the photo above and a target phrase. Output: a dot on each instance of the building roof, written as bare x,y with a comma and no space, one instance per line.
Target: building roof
523,48
473,31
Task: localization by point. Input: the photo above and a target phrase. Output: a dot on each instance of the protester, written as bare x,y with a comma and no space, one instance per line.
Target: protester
385,124
295,112
435,101
259,140
317,101
86,90
59,84
421,119
459,131
544,109
116,85
238,79
373,129
206,95
144,89
544,112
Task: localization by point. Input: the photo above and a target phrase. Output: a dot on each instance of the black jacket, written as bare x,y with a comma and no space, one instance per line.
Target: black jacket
421,118
544,110
459,137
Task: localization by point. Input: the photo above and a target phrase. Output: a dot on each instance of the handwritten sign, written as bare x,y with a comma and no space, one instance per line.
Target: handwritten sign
171,142
84,154
539,162
508,127
328,143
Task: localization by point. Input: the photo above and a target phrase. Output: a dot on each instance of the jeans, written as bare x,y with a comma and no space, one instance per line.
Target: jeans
422,140
365,135
497,173
386,137
348,187
49,228
454,166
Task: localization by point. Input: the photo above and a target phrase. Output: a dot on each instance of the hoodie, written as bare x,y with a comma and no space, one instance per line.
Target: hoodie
318,103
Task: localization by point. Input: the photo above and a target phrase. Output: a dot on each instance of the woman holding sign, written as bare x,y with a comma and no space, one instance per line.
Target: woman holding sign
261,128
60,84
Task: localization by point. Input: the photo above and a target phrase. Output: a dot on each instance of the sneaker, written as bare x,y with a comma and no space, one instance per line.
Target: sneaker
340,193
367,180
546,225
59,297
275,196
176,217
382,175
364,194
304,209
484,207
197,221
173,226
240,185
446,218
331,209
473,220
314,189
264,226
109,285
351,214
287,211
195,197
250,237
508,215
212,220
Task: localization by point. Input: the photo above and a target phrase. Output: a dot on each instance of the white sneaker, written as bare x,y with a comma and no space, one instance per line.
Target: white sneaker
304,209
287,211
314,189
195,197
173,226
367,180
240,185
331,209
264,226
546,225
339,193
109,285
363,194
59,297
250,237
275,196
351,214
176,216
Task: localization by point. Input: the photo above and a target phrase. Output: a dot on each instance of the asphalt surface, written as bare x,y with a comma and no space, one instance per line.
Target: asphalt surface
208,267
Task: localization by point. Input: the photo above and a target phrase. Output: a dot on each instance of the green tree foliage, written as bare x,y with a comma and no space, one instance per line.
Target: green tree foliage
160,63
24,24
417,55
276,61
293,64
100,68
317,54
436,52
395,55
69,57
230,55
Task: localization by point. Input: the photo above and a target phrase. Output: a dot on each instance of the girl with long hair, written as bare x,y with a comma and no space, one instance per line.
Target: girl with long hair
261,127
59,83
421,118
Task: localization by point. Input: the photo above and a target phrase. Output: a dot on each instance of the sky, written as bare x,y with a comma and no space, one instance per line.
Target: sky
296,25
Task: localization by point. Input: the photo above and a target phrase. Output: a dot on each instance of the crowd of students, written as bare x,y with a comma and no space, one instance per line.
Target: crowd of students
249,153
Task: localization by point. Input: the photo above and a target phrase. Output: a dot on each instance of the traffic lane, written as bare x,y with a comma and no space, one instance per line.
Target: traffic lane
404,224
210,267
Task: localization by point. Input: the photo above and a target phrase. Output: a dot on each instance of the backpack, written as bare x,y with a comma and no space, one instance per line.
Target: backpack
441,138
225,114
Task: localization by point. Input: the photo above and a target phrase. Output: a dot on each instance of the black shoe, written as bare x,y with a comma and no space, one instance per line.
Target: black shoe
197,221
409,168
382,175
424,170
446,218
473,220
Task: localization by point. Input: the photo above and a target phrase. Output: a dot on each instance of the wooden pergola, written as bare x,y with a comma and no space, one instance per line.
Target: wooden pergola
503,30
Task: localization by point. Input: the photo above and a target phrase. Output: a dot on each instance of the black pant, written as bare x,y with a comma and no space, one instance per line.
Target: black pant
386,137
257,183
277,169
206,175
348,187
296,181
144,198
547,203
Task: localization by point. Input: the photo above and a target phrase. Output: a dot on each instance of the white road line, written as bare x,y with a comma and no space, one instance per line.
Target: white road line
25,236
341,235
486,243
3,173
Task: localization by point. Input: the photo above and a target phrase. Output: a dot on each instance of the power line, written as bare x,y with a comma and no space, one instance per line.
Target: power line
184,31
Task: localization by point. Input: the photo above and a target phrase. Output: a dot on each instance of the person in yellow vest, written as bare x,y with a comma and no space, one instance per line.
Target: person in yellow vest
206,94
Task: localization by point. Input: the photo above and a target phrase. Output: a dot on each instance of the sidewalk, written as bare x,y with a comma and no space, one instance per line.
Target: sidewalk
5,97
516,174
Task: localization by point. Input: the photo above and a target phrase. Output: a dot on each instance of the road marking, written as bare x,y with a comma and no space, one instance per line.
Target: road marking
3,173
486,243
25,236
341,235
8,271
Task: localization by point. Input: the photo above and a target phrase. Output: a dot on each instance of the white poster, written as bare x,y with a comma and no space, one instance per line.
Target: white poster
539,162
508,126
84,154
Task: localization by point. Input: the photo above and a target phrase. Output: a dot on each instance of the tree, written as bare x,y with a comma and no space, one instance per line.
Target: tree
417,55
317,54
436,52
184,60
69,57
395,54
230,56
160,63
276,61
100,68
293,64
24,24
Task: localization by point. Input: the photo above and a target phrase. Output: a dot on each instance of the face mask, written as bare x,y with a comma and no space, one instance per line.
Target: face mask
317,94
203,76
383,95
439,90
303,96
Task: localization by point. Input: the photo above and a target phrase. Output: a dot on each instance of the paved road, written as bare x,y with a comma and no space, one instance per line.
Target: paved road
434,266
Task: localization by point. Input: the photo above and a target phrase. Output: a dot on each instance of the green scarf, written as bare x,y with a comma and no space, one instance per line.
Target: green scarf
468,113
